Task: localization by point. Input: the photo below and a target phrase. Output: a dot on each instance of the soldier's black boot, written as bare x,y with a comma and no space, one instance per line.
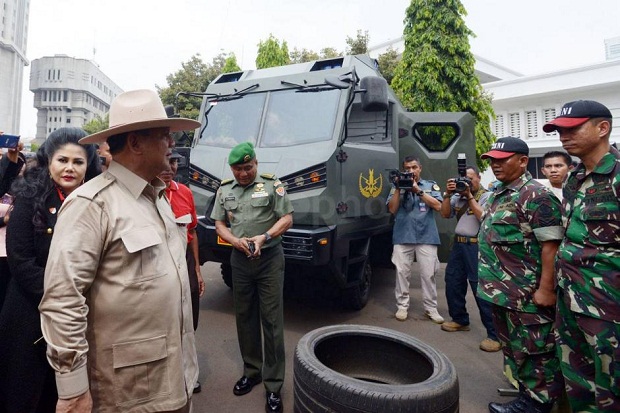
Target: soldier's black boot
534,406
518,405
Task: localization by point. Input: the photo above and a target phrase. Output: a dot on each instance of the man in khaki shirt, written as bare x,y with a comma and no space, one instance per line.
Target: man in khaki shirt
116,311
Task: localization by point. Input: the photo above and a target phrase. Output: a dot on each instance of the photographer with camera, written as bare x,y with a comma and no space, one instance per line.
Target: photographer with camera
412,201
464,199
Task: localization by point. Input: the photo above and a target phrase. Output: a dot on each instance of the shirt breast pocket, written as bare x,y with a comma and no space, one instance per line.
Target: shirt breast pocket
144,246
603,223
506,231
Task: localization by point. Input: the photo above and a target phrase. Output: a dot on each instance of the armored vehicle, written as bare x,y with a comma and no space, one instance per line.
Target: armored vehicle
332,131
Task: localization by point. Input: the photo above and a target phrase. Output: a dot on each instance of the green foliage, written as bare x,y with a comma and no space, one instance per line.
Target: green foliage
231,65
271,53
359,44
194,76
388,62
97,124
329,53
436,72
303,55
34,147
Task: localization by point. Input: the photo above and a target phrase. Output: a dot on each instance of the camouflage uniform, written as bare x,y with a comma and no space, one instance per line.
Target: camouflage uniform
518,217
589,278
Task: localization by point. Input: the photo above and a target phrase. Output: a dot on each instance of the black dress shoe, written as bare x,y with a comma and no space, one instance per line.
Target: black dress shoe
274,402
197,387
245,384
518,405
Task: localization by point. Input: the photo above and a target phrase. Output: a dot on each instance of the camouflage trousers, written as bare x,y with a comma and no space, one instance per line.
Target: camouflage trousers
528,344
589,355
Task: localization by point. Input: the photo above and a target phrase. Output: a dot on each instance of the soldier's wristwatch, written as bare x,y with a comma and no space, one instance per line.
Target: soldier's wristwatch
267,237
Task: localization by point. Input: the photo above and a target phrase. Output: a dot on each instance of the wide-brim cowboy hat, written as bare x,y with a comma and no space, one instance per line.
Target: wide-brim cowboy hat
138,110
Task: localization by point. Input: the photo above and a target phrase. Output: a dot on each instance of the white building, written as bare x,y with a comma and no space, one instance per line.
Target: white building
523,104
69,92
13,40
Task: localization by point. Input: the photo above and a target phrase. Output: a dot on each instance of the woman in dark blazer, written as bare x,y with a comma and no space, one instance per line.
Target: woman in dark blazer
27,382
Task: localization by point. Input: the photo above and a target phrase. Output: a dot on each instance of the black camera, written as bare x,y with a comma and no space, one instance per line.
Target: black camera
402,180
251,247
462,181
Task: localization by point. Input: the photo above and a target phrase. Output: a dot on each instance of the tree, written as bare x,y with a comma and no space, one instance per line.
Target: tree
230,65
303,55
329,53
436,72
194,76
271,53
97,124
388,62
359,45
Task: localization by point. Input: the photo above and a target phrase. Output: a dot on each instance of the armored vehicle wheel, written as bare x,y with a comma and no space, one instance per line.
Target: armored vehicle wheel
226,271
356,297
355,368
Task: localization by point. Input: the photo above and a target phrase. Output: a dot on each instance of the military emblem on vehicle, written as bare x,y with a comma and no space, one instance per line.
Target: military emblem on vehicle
370,187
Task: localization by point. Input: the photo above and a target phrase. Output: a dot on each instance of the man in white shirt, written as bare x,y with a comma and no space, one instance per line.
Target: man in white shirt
556,165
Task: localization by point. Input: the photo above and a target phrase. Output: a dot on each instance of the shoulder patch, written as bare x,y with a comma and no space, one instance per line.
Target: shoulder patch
226,181
268,176
96,185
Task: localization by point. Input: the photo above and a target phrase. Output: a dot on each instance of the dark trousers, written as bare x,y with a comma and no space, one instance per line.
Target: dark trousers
257,292
193,286
461,270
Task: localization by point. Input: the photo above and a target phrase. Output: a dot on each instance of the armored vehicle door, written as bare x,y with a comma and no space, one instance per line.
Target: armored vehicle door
437,139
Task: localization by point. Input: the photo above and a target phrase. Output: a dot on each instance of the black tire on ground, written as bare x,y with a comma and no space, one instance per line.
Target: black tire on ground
355,368
356,297
226,271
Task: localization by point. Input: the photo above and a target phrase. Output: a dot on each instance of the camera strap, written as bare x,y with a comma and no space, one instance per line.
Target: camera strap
465,208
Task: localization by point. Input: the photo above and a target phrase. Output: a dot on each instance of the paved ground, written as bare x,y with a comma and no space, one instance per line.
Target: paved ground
480,373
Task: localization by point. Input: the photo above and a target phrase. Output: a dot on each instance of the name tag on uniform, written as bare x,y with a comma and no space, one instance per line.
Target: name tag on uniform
259,194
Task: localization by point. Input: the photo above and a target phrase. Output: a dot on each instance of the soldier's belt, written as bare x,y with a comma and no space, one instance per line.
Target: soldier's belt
466,240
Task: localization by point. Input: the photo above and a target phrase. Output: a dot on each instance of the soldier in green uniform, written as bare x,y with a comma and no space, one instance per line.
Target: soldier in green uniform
588,264
251,212
519,236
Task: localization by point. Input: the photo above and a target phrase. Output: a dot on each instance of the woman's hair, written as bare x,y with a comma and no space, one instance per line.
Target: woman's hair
37,183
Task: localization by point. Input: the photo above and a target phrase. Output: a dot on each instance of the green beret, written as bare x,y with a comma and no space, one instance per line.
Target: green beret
242,153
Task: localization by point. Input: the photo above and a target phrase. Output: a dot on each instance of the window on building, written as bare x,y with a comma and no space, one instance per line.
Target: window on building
499,126
68,120
65,95
531,124
534,166
515,124
549,114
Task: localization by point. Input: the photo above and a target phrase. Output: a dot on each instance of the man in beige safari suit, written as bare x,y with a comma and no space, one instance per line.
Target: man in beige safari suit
116,311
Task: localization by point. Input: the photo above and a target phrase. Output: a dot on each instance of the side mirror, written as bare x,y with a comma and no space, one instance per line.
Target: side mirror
374,94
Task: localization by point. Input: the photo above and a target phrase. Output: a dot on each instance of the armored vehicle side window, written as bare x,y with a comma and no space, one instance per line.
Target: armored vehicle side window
234,121
368,127
295,117
435,137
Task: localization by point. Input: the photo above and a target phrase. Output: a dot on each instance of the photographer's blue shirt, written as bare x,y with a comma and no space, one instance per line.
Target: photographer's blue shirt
415,220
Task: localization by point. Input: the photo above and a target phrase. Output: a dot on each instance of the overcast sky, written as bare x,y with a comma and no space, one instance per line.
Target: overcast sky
137,43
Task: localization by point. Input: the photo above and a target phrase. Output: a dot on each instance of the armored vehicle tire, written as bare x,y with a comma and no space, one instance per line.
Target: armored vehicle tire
356,297
356,368
226,271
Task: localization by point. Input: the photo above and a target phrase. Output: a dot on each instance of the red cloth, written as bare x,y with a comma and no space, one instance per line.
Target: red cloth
182,202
